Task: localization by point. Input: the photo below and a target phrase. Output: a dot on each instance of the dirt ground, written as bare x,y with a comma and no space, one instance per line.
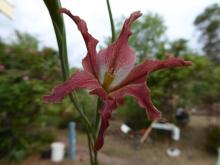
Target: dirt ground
119,149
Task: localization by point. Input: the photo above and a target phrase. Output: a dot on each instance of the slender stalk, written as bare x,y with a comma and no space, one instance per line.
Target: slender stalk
111,20
59,29
90,148
97,119
96,162
74,100
96,130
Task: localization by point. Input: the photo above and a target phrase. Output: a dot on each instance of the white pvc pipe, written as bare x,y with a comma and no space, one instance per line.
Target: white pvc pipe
176,133
169,127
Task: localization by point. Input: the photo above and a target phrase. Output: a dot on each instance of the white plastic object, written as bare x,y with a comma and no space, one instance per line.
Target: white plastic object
57,151
125,129
169,127
173,152
176,133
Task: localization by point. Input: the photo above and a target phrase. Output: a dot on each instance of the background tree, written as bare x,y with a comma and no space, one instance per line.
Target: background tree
148,36
208,23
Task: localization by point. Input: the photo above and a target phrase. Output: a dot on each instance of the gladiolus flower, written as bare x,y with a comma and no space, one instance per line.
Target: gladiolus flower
111,74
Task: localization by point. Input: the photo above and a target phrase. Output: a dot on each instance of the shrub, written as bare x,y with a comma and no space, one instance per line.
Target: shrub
24,79
212,138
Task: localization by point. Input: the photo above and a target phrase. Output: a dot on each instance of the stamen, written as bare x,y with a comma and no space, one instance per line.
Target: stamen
107,80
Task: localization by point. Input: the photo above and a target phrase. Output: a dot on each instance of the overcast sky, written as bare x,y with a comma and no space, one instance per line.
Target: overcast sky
31,16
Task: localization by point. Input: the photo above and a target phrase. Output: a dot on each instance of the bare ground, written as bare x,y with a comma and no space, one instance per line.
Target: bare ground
120,150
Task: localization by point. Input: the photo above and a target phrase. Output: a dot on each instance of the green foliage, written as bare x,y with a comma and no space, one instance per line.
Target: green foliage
179,47
212,138
89,106
148,36
203,83
28,74
25,41
208,22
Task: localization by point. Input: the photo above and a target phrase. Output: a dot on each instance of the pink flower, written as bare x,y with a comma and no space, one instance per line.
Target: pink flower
25,78
2,67
111,74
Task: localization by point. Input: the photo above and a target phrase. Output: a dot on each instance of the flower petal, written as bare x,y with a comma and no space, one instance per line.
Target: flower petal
81,79
142,94
119,56
89,62
105,114
139,73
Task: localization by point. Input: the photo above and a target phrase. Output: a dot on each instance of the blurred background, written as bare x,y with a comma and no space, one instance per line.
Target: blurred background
189,98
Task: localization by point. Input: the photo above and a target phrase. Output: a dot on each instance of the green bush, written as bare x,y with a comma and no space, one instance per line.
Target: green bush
212,138
28,74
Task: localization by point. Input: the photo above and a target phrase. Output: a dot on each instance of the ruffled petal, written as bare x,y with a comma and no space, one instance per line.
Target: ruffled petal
89,62
105,115
118,58
81,79
139,73
142,94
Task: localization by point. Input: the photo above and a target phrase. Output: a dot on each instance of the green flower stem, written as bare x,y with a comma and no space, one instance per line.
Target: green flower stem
111,21
97,119
95,162
75,101
90,147
59,28
96,130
